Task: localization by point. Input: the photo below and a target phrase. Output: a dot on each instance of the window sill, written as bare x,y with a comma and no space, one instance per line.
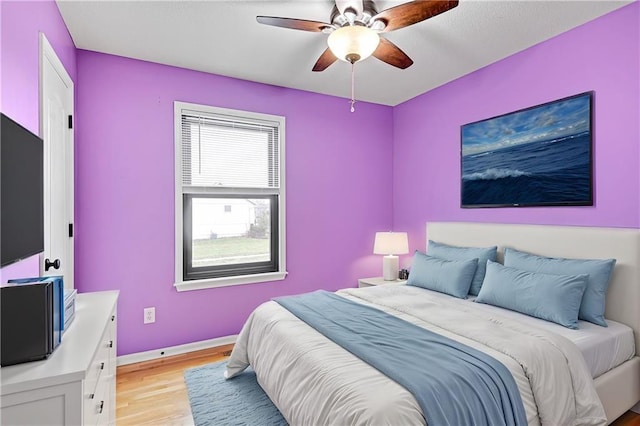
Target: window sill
229,281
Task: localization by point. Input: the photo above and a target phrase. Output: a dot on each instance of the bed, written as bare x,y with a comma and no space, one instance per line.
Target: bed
312,380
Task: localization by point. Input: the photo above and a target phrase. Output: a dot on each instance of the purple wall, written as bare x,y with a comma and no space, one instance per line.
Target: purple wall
339,180
19,53
602,55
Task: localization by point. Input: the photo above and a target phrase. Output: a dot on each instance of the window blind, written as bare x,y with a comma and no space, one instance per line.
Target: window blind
229,152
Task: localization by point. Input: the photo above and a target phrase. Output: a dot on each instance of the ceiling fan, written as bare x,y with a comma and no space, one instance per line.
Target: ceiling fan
355,26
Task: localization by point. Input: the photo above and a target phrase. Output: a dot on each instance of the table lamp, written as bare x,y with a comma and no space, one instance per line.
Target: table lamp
390,244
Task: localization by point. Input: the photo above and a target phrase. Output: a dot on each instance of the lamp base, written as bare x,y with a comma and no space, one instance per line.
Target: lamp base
390,265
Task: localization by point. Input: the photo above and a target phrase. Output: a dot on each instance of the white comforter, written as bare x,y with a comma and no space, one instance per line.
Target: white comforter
313,381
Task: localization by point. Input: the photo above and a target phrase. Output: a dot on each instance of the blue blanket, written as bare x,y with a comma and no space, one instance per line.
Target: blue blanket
454,384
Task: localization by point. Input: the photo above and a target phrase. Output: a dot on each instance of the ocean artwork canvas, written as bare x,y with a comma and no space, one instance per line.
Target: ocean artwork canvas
539,156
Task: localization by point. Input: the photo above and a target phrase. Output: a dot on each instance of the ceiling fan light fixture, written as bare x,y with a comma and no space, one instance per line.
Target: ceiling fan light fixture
353,43
350,14
378,25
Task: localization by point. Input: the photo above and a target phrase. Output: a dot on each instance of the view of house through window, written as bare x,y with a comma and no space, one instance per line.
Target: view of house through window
230,230
230,185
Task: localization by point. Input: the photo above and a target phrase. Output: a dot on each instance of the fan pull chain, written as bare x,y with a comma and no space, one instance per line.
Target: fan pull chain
353,90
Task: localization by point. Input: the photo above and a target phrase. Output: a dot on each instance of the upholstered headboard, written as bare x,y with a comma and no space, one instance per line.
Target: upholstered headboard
622,244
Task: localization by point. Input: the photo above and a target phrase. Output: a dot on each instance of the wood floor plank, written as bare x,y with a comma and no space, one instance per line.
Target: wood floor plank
154,392
628,419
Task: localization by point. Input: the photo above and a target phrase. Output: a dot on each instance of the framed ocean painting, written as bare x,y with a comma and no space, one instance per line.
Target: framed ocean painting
538,156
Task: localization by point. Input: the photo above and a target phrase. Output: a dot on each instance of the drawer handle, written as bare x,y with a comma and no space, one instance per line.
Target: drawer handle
110,343
101,407
92,395
102,366
113,317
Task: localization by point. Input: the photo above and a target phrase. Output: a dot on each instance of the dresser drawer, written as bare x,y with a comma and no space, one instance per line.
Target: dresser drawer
107,403
101,363
96,408
110,344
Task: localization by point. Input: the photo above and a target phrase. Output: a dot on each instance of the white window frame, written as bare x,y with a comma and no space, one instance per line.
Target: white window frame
180,284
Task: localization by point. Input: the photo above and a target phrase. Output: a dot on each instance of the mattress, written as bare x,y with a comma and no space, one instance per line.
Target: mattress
603,348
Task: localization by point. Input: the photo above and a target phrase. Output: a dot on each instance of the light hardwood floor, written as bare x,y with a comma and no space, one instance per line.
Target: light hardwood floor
154,393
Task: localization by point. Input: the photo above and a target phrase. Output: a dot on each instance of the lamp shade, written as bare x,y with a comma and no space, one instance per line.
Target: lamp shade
391,243
353,43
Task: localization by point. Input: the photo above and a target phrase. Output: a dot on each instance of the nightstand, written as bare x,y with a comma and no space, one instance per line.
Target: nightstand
370,282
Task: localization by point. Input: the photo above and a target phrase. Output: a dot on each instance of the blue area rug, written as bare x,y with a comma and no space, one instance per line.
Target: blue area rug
220,402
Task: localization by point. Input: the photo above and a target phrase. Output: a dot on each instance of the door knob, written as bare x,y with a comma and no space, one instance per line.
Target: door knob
48,264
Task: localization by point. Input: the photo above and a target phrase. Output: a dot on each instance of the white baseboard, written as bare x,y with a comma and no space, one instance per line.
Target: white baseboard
636,408
175,350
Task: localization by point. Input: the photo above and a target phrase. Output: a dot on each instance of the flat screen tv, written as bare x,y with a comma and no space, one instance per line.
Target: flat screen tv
21,196
538,156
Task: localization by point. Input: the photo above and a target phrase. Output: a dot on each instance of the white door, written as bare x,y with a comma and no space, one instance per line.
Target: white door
56,106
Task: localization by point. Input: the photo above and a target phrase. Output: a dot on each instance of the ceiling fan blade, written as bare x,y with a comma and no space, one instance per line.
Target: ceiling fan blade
294,24
327,58
356,5
391,54
413,12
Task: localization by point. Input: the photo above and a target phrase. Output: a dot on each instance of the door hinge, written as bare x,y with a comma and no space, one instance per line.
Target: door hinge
70,230
71,121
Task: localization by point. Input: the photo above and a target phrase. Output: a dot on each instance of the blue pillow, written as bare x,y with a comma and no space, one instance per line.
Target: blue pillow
551,297
445,276
599,271
444,251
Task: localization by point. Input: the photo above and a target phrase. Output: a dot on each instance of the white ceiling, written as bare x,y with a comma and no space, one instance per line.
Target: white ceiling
223,37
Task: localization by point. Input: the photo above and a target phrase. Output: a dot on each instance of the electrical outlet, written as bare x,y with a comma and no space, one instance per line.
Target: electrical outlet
149,315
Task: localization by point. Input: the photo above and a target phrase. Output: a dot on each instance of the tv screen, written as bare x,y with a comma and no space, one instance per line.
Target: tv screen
22,216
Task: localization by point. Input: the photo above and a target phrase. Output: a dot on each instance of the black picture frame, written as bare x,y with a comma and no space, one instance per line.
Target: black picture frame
536,156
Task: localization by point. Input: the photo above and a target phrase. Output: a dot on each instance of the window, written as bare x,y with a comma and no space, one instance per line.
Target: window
229,197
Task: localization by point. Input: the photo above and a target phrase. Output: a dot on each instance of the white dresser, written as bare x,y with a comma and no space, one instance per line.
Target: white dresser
77,384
